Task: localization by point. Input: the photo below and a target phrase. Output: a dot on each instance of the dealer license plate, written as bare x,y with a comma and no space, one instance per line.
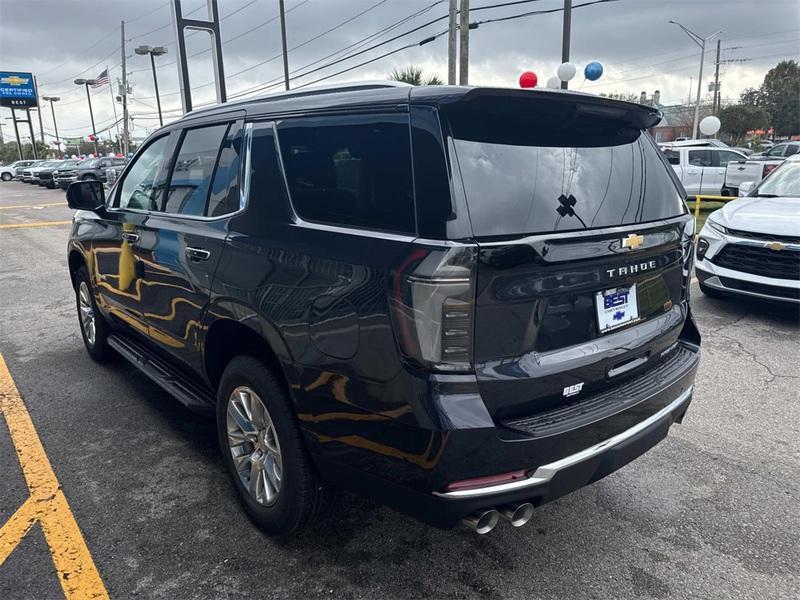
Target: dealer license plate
616,307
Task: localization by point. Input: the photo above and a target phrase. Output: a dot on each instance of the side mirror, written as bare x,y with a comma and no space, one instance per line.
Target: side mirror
746,187
86,195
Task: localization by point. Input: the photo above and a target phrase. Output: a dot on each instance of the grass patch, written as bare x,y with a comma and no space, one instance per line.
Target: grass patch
706,208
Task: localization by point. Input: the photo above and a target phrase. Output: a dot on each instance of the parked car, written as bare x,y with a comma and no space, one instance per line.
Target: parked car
44,176
95,168
113,173
30,174
464,302
702,169
779,151
66,172
9,172
751,170
751,246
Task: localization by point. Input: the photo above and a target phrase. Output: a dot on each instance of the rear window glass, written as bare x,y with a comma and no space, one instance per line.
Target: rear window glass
518,180
350,170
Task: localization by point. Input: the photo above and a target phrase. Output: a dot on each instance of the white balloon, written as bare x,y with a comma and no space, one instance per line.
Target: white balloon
554,83
566,71
710,125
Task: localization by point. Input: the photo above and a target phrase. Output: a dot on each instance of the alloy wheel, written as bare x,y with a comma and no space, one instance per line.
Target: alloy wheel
86,312
254,446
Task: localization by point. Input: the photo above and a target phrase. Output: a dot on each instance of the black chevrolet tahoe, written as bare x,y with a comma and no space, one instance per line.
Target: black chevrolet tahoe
463,302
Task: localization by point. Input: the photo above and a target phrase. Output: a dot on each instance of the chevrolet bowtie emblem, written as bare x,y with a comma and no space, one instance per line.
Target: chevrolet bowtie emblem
633,241
776,246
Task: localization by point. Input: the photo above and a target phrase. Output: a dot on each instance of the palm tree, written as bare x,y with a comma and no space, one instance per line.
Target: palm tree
413,75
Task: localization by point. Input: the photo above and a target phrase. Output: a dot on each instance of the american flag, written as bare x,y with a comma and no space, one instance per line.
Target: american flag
101,79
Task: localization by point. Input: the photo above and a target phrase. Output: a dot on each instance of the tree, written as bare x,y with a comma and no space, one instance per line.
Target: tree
738,119
414,76
779,96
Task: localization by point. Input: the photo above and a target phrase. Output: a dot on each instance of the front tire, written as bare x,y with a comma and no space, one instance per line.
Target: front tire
7,176
94,328
263,449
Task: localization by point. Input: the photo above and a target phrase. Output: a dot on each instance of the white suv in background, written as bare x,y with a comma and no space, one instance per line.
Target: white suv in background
751,246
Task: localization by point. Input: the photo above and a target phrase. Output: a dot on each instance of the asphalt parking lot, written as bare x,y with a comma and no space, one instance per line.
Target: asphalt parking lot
712,512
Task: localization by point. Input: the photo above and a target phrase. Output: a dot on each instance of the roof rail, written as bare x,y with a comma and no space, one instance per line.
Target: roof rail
311,91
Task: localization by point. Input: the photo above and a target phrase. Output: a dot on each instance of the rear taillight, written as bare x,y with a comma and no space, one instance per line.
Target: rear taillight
433,307
767,169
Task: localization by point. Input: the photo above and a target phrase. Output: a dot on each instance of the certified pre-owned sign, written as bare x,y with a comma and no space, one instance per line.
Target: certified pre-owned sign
17,90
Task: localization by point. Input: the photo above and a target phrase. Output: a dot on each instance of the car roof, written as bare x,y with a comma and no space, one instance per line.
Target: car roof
380,93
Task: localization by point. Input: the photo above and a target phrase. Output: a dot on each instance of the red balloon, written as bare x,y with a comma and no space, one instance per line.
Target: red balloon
528,80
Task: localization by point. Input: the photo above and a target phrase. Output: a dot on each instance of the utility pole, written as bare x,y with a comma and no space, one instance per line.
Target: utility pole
565,36
124,94
114,107
700,41
451,43
716,81
283,41
463,51
38,109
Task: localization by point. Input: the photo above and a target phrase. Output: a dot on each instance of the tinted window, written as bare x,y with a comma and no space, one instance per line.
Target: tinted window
267,188
190,181
791,149
350,170
725,157
224,197
139,189
701,158
777,150
517,187
673,156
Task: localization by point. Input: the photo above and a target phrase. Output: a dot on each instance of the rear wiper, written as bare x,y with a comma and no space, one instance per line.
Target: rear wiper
566,207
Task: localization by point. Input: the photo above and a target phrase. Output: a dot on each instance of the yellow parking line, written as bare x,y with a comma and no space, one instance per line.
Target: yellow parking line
33,205
46,505
42,224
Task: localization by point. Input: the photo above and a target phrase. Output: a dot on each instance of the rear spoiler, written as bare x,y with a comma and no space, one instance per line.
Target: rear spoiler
558,102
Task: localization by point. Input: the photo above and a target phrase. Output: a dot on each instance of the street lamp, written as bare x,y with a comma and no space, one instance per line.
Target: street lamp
87,83
153,52
700,41
52,99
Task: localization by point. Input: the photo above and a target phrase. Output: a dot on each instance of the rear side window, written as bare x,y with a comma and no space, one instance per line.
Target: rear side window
224,197
701,158
190,182
350,170
518,181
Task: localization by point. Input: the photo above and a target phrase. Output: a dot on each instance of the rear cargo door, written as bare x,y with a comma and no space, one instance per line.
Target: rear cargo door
584,254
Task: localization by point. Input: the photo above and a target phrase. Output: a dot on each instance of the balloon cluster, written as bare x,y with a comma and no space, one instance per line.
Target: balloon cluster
566,71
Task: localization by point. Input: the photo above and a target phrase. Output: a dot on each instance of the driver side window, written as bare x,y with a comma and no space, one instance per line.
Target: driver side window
139,189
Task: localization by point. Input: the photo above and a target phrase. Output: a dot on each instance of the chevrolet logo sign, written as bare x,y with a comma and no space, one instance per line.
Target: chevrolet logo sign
14,80
633,241
776,246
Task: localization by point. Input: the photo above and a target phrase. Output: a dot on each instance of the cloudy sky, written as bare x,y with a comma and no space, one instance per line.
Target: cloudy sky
59,40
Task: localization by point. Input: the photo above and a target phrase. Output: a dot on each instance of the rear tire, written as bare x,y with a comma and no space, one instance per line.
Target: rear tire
274,446
6,176
94,328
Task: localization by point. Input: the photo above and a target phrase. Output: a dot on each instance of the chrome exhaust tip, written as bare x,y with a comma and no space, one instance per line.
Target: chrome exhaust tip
482,521
517,514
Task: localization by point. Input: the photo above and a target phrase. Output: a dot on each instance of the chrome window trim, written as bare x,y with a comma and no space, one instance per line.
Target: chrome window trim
545,473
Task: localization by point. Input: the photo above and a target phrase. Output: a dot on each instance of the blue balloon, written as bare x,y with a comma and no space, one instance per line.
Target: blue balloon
593,71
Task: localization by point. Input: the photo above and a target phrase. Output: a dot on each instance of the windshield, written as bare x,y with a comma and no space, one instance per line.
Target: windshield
783,182
524,182
90,163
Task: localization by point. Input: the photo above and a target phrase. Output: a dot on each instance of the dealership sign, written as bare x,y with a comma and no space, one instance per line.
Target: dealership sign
17,90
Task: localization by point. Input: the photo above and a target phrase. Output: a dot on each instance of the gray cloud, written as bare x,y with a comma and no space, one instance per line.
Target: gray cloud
59,40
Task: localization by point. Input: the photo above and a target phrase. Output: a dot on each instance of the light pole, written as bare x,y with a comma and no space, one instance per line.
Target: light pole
153,52
87,83
700,41
52,99
2,141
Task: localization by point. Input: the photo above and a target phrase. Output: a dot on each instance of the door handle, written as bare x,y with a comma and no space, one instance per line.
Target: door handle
131,237
198,254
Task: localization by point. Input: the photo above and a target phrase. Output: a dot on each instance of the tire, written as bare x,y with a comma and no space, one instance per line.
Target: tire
95,336
6,177
88,177
711,292
299,496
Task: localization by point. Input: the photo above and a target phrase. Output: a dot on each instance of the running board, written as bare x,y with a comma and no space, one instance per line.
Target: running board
193,395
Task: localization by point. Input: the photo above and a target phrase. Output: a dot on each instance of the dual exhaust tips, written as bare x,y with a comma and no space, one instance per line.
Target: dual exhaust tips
483,521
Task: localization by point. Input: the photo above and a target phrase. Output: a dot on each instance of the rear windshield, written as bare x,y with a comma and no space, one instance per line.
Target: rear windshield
519,180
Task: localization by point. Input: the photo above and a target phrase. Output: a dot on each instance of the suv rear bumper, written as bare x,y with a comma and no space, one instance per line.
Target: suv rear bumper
554,465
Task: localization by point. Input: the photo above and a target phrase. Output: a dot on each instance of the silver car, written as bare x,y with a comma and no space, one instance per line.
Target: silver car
751,247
